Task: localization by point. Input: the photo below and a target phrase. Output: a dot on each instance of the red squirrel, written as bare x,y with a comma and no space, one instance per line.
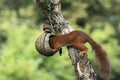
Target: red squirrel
77,39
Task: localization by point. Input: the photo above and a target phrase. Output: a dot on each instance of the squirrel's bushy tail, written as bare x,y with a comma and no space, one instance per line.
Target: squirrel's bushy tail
101,55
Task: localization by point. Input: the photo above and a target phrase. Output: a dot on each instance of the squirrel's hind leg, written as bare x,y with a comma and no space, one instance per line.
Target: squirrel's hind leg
82,47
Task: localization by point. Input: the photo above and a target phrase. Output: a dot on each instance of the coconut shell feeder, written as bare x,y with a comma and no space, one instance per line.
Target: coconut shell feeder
42,45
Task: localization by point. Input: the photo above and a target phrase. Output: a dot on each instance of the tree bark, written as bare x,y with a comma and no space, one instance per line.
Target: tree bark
52,9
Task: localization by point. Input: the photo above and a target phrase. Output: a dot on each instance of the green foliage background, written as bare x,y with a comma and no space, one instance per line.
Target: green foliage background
21,23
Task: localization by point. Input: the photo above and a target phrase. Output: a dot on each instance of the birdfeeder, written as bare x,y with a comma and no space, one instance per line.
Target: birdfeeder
42,45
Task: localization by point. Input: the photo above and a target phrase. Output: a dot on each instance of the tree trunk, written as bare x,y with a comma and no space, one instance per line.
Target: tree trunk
52,9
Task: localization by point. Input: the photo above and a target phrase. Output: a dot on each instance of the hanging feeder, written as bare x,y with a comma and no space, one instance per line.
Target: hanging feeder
42,45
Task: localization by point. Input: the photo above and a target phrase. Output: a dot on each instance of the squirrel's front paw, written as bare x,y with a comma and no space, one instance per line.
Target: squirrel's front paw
54,49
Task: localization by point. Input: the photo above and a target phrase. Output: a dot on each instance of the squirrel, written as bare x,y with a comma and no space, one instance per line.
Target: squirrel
77,39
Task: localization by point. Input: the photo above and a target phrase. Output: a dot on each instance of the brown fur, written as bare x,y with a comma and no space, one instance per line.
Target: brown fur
77,39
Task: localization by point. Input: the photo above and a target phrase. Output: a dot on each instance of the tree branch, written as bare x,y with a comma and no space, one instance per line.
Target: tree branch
52,9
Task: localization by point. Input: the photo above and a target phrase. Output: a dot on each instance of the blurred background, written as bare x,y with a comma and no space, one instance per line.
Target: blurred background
21,23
